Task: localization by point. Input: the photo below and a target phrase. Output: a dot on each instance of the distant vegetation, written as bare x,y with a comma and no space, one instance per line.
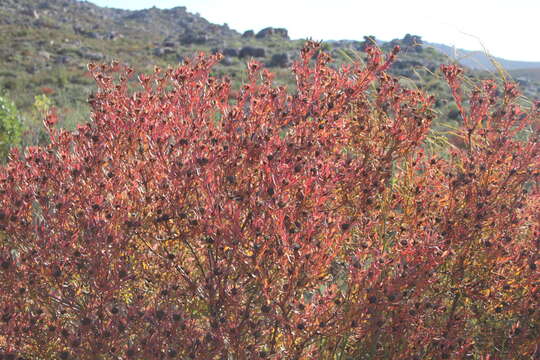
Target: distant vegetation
10,126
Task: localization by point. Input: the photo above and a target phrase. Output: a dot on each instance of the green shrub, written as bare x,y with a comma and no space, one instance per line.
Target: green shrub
10,127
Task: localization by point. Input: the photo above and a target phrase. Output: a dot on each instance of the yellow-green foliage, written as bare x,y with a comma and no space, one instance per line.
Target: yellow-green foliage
10,127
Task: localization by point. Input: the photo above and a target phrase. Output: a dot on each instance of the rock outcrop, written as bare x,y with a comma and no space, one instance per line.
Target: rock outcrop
250,51
271,32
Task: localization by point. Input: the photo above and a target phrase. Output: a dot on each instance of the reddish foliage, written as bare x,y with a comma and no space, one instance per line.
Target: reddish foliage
180,224
47,90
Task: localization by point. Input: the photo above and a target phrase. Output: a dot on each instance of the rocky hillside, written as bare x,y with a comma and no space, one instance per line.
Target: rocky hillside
46,45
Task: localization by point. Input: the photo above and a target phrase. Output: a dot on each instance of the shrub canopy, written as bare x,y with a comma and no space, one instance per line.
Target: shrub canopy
188,221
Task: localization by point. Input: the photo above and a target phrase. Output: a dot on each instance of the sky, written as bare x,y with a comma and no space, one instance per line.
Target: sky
505,28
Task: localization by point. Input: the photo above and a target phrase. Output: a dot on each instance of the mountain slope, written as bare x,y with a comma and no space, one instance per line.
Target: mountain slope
480,60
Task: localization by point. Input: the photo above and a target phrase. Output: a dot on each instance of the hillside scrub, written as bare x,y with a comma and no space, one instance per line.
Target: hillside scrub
189,222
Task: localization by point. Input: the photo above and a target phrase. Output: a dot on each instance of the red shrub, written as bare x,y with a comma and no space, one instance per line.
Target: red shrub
45,90
180,224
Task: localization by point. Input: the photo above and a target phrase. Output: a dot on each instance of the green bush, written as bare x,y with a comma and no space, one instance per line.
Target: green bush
10,127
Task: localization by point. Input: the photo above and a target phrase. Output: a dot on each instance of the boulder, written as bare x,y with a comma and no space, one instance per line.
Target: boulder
44,54
271,32
94,35
230,52
162,51
281,60
30,12
248,34
44,5
78,29
63,59
159,51
250,51
113,35
191,37
93,56
169,43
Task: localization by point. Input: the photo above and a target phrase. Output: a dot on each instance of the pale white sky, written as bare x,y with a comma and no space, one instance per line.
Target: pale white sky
507,28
